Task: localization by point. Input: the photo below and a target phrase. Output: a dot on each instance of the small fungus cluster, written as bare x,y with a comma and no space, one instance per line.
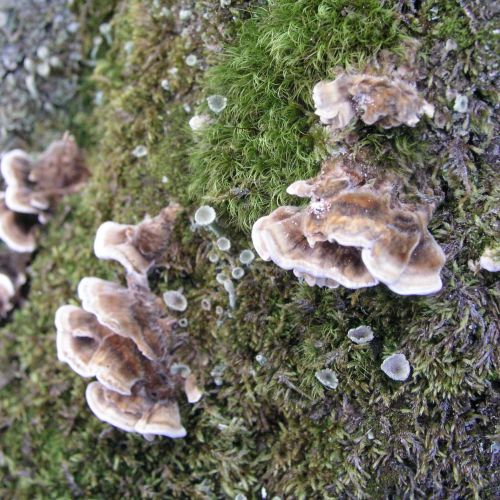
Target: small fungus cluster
354,232
32,188
387,102
124,337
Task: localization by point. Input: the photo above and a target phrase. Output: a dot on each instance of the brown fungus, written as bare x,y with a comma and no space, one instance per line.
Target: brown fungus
124,338
353,232
135,413
137,248
136,314
12,278
35,186
17,231
380,100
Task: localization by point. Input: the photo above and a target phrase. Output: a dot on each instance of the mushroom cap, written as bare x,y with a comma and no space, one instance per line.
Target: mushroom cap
332,102
60,167
16,166
134,413
118,364
16,234
279,237
78,338
396,247
7,292
137,247
422,274
396,367
364,219
133,314
25,201
113,242
388,102
192,391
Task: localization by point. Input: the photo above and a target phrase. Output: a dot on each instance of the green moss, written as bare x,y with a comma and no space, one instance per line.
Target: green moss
270,423
263,140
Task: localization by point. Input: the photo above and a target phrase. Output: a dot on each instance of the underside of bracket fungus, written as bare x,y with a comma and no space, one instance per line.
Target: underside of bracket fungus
17,231
354,232
380,100
124,338
137,248
34,186
12,278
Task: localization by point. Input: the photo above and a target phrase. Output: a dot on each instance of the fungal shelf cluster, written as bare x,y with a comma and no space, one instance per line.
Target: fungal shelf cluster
124,337
32,189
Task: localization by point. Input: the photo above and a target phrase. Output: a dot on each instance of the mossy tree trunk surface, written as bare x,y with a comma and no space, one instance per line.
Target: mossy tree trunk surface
270,426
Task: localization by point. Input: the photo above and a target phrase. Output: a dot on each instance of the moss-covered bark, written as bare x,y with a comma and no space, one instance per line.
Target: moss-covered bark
271,424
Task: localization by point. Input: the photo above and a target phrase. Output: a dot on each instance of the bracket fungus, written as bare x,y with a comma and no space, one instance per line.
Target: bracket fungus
388,102
137,248
124,337
135,413
353,232
17,231
396,367
34,186
12,278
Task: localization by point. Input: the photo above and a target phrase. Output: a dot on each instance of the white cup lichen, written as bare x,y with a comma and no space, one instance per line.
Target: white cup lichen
175,300
247,257
328,378
396,367
217,103
223,244
205,215
237,273
360,335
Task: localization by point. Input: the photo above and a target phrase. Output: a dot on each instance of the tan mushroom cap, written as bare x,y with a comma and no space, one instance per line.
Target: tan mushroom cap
138,247
7,292
15,167
375,99
15,232
112,241
396,247
354,232
34,185
129,313
364,220
280,237
135,413
191,389
422,274
332,103
93,350
26,201
61,167
79,335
